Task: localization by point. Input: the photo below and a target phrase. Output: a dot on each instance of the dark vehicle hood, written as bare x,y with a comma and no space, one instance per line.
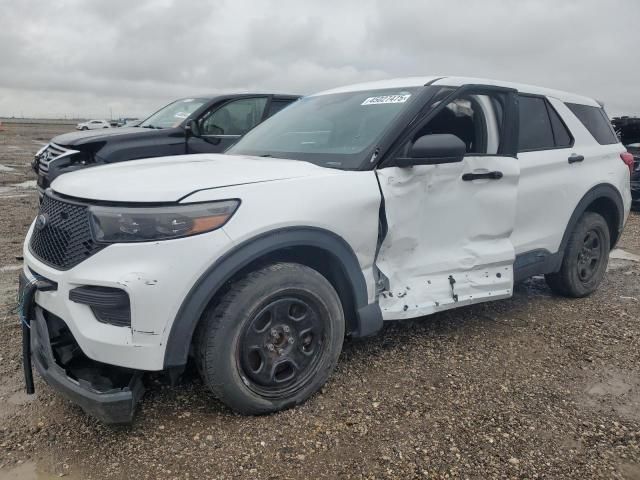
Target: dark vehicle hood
84,137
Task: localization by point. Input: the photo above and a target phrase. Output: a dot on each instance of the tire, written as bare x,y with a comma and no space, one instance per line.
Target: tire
585,258
84,128
273,339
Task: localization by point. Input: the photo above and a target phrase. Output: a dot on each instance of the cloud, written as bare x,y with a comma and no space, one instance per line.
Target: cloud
86,58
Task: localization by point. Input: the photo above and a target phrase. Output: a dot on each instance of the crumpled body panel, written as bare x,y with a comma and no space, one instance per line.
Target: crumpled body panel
448,241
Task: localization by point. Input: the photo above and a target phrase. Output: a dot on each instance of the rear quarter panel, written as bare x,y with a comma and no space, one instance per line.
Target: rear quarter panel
551,188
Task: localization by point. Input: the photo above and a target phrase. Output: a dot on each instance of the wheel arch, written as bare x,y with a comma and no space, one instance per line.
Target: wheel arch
605,200
317,248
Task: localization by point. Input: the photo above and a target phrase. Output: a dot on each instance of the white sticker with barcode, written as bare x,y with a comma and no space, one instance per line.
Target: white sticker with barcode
386,99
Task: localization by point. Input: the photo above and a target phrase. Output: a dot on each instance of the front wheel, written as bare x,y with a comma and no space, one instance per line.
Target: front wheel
585,258
272,340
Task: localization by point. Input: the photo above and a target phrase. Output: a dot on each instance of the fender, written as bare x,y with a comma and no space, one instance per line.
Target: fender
537,262
368,317
603,190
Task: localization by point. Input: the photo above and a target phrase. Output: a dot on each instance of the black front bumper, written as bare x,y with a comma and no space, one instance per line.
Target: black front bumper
114,406
110,405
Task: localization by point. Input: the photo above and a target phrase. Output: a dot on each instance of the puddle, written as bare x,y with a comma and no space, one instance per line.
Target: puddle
614,390
4,168
28,471
17,189
619,258
10,268
27,184
619,254
612,386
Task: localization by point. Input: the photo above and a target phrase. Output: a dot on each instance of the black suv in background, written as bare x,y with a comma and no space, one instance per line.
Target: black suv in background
189,125
628,130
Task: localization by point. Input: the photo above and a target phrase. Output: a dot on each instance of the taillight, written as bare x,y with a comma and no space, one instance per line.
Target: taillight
627,158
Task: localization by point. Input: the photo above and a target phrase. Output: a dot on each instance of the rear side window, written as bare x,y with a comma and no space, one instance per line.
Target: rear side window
595,120
541,128
536,132
560,132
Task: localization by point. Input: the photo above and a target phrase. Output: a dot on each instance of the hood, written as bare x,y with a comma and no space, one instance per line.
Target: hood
168,179
82,137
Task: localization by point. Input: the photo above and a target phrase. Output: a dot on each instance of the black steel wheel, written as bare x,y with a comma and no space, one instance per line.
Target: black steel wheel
591,253
282,344
273,339
585,258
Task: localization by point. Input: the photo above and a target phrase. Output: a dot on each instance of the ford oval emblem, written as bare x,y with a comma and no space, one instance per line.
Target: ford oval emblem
41,221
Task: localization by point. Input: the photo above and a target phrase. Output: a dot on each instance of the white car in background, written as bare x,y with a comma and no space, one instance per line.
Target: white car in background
93,125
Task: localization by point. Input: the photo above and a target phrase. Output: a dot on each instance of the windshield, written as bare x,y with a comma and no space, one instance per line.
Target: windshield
173,114
334,130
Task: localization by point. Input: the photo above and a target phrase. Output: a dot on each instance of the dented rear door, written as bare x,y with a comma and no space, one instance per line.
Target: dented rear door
447,241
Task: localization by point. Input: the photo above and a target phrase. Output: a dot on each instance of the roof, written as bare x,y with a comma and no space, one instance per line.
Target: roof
459,81
243,95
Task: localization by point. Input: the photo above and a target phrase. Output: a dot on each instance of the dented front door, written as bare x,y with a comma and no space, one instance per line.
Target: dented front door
448,240
448,234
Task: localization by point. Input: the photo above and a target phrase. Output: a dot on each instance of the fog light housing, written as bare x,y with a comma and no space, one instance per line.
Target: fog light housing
109,305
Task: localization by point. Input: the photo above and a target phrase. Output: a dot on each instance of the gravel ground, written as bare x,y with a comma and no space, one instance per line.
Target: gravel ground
532,387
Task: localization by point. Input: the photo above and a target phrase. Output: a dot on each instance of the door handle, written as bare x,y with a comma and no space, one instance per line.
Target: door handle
468,177
575,158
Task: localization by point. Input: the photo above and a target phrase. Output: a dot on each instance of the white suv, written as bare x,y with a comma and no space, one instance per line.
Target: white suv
354,206
93,125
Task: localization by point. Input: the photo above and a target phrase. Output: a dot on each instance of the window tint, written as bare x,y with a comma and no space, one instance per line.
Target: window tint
560,132
596,121
474,119
277,105
234,118
535,126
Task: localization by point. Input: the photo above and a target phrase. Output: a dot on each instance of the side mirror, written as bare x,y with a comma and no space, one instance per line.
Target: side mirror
434,149
191,128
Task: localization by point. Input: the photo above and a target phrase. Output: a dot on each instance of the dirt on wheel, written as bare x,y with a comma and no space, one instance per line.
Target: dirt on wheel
537,386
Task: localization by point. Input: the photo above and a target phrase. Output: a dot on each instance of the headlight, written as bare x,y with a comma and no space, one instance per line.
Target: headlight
145,224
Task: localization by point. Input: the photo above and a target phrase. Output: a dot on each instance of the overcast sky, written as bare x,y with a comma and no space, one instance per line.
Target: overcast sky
129,57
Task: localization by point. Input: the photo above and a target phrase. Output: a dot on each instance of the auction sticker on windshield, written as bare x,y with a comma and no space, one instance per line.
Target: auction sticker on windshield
386,99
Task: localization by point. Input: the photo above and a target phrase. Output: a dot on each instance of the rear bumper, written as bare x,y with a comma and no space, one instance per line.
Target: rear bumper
115,406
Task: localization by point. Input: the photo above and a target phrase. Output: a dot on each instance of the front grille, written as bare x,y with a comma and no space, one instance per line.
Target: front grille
62,235
49,154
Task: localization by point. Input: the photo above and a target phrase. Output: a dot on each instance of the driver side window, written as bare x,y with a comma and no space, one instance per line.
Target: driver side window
234,118
474,119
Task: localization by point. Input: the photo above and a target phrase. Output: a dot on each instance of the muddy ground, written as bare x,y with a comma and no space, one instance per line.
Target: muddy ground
532,387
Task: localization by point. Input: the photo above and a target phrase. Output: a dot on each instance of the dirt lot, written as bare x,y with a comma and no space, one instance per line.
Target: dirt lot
532,387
